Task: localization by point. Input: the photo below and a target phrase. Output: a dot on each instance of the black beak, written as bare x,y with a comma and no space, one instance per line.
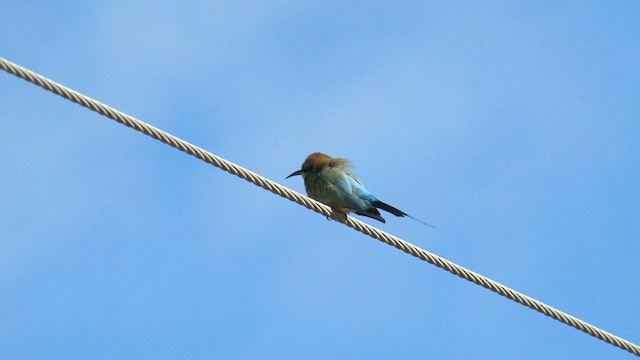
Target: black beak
296,173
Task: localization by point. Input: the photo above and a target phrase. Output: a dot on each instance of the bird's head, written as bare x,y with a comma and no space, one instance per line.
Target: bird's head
313,164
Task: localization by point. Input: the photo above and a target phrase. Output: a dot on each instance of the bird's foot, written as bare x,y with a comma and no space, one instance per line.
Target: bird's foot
338,216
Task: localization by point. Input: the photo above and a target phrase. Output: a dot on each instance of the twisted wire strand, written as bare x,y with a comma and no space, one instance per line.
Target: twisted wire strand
316,206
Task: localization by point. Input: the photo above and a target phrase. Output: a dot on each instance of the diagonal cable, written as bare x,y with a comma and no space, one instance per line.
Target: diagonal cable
315,206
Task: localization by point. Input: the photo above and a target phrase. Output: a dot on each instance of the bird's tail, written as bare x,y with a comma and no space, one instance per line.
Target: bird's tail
388,208
397,212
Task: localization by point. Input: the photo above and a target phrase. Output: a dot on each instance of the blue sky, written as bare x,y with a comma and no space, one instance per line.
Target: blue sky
512,128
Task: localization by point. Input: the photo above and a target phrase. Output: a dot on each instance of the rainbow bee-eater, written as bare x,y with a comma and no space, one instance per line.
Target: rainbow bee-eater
330,181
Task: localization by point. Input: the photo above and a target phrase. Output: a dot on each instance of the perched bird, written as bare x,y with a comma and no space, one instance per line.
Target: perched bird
330,181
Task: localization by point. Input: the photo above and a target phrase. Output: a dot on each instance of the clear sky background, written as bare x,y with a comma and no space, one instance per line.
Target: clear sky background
514,129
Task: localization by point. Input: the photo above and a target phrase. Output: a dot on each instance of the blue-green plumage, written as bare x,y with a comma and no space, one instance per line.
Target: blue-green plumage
330,181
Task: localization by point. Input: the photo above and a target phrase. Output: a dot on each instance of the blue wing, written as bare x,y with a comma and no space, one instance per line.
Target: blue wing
342,191
352,192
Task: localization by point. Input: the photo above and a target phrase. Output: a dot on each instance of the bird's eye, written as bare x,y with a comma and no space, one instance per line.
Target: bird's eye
306,169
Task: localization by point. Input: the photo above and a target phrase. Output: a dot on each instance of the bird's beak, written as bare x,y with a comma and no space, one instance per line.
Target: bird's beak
295,173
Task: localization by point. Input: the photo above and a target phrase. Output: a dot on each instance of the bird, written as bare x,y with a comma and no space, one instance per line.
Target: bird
330,181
